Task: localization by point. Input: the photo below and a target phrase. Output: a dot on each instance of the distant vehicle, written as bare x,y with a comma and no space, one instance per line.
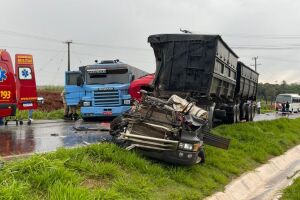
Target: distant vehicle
292,99
100,89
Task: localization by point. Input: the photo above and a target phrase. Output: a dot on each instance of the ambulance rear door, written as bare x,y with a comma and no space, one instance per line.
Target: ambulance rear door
25,82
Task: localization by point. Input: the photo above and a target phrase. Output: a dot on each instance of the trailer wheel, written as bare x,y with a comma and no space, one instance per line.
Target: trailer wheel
248,112
211,115
243,110
231,113
238,117
253,110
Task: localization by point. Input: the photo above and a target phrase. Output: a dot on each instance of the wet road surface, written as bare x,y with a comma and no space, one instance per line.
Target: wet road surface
274,115
48,135
45,136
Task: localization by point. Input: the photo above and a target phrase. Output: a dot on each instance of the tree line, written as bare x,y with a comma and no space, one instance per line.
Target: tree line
268,91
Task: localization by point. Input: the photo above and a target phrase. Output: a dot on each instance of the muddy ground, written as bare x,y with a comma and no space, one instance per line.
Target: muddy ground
52,100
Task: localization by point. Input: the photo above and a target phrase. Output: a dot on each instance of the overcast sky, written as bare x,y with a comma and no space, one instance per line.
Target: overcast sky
269,29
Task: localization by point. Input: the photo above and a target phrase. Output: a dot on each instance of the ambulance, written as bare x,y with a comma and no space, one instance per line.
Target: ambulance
17,87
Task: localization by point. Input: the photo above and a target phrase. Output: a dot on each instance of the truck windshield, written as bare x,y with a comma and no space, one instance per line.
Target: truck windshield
107,76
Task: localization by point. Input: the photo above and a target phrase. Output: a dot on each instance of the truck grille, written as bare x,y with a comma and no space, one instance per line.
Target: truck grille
106,98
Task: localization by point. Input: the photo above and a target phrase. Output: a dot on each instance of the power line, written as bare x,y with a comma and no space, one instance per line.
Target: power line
113,46
51,59
246,47
29,48
37,37
265,48
262,36
246,35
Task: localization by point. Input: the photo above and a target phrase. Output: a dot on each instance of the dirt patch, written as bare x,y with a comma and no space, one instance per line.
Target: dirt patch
93,183
52,101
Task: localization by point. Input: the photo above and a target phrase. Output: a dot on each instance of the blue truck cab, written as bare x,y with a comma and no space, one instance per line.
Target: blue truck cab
100,89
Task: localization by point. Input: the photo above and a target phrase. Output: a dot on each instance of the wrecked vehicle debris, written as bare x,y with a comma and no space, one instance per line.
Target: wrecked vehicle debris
173,131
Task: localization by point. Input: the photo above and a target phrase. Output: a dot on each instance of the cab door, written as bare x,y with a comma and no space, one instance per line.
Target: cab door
25,82
7,86
73,88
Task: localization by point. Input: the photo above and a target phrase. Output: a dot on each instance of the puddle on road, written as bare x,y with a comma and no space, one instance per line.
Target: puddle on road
46,137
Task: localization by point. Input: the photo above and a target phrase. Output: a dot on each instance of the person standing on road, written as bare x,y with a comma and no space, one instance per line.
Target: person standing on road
287,107
66,108
1,121
258,106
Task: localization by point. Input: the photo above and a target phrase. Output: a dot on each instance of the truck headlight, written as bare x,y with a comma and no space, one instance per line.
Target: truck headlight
189,147
86,103
127,102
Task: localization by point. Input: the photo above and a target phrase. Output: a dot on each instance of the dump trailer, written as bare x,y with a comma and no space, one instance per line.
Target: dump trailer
198,83
204,68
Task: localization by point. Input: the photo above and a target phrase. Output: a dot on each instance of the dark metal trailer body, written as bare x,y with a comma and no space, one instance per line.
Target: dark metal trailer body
206,69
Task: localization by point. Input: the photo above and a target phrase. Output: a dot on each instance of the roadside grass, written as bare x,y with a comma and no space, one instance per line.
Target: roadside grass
266,107
292,192
105,171
38,114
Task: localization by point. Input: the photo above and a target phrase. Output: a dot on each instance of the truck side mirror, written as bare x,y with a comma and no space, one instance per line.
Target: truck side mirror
79,81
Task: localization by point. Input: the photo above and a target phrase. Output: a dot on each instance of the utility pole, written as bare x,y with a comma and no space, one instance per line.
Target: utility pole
68,43
255,63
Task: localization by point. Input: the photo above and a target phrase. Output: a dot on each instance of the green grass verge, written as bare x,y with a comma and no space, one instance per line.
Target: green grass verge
38,114
105,171
292,192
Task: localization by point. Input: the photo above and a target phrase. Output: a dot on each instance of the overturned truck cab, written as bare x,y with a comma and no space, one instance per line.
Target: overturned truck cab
173,131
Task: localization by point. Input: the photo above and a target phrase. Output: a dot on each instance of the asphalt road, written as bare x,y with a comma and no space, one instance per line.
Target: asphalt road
272,116
45,136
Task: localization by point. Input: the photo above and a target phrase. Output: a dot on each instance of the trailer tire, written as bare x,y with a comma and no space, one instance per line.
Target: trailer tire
253,110
248,112
243,111
231,113
238,117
